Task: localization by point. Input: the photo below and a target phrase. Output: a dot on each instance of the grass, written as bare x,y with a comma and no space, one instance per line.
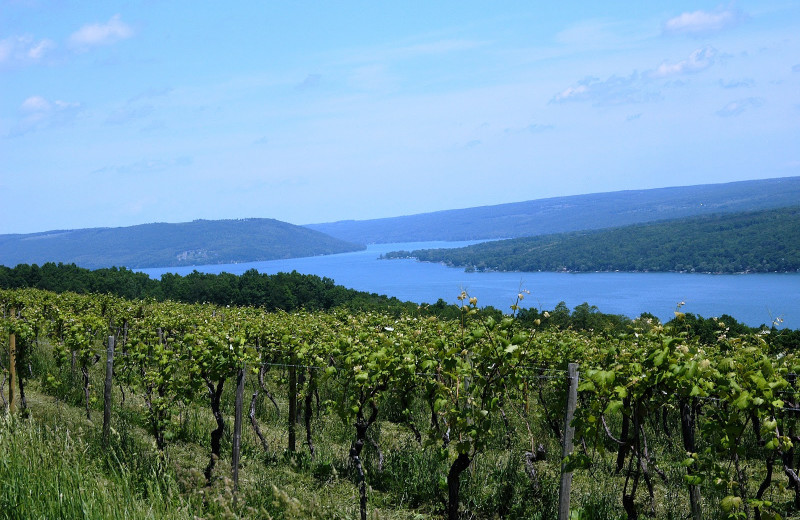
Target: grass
49,471
55,464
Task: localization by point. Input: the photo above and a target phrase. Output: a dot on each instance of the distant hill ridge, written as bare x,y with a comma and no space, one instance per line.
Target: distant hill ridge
169,245
572,213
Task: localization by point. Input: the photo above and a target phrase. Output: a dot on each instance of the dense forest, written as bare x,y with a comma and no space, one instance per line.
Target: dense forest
754,242
199,242
284,291
572,213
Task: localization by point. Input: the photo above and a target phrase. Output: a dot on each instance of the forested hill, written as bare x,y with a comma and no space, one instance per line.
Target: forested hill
764,241
575,213
169,245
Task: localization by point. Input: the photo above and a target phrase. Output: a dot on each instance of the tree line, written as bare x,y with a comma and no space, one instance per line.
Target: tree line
281,291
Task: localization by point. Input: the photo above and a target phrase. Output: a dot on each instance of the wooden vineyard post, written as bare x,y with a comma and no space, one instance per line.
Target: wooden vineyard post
237,427
569,433
12,368
107,389
527,399
292,404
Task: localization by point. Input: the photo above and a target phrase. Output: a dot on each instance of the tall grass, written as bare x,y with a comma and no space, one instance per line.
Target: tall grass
47,472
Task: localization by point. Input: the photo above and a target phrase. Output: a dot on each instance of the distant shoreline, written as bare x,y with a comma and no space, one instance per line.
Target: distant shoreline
575,271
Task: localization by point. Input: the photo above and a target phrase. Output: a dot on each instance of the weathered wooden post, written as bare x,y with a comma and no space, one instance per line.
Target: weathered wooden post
569,433
293,404
237,427
107,389
12,367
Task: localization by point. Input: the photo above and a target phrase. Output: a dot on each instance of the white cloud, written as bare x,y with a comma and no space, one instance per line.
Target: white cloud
636,87
699,60
700,22
64,105
36,113
734,108
572,94
38,50
35,104
101,34
24,49
616,90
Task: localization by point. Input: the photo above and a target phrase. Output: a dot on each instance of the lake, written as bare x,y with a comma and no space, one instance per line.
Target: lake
752,298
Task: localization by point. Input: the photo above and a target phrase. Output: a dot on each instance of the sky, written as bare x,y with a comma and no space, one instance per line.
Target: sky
121,113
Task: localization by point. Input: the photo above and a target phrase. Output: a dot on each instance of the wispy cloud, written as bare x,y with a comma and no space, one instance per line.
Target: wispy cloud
796,68
134,110
599,33
398,52
150,93
581,92
438,47
533,128
616,90
734,108
35,104
153,126
371,77
22,49
747,82
538,129
128,114
311,81
37,112
702,22
636,87
146,166
698,61
101,33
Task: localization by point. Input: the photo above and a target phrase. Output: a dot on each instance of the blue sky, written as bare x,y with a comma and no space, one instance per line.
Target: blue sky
121,113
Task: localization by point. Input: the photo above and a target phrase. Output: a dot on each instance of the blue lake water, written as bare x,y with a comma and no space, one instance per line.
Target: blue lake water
752,298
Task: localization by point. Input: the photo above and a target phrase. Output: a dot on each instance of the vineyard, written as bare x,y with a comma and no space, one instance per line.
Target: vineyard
201,410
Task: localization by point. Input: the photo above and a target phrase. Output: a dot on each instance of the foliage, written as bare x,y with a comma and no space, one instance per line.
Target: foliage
706,413
753,242
286,291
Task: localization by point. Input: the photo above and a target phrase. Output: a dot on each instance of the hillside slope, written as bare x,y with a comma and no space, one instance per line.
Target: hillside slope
168,245
763,241
574,213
